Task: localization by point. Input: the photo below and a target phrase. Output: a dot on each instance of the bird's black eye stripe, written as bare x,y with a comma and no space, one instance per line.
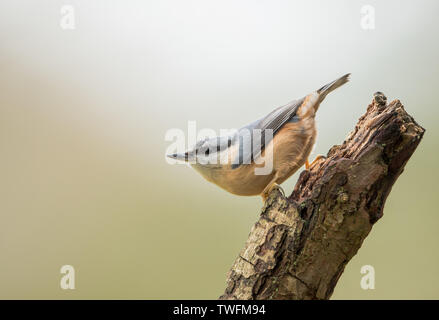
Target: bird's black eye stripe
207,152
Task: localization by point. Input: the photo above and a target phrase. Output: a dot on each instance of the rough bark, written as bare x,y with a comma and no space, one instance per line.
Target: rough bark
301,244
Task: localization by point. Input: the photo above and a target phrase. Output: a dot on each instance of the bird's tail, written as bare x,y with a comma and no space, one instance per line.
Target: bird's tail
323,91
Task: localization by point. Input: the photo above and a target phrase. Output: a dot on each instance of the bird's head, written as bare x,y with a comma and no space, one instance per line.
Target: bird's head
206,153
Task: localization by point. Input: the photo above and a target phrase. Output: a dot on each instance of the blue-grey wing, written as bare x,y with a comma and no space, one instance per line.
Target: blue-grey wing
278,117
214,144
254,137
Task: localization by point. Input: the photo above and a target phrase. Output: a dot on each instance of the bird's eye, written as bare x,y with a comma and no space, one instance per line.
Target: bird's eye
207,152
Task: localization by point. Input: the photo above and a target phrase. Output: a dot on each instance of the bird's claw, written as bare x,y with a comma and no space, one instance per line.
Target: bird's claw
309,165
266,194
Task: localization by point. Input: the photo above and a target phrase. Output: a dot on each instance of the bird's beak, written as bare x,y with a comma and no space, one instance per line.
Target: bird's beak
178,156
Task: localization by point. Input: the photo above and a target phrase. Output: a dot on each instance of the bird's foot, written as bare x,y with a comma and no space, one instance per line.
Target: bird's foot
309,165
266,193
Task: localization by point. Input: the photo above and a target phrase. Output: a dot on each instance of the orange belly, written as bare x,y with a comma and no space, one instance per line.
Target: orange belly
292,146
289,150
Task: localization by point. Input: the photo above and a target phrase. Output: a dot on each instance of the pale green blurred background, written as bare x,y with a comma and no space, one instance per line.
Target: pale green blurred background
84,112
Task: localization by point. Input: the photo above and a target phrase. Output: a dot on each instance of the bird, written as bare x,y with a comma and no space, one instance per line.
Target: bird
286,137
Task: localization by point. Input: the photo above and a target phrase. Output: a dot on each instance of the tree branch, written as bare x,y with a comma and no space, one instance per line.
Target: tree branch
300,246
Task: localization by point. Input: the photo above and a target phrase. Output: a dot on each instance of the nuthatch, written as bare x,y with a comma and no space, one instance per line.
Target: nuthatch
287,135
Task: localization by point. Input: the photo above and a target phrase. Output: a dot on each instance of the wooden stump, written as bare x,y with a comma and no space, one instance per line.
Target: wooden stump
301,244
